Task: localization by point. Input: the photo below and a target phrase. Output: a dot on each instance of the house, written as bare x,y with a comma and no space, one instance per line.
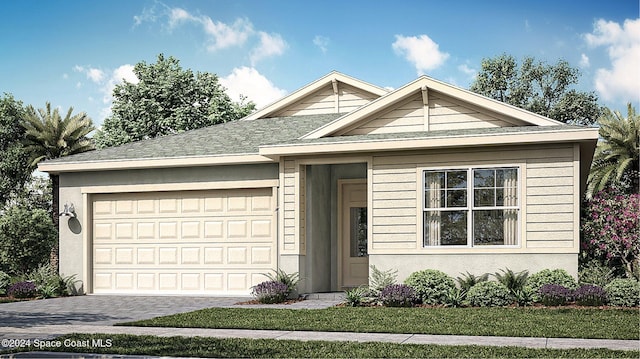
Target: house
329,180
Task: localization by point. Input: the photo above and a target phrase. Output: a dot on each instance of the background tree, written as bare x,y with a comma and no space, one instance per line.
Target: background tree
50,136
14,168
166,100
538,87
615,163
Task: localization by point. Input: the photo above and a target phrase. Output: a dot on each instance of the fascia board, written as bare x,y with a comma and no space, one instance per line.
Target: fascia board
570,135
83,166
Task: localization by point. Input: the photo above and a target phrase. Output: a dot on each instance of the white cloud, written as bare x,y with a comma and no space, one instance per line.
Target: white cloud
95,75
470,72
421,51
321,42
620,82
247,81
219,35
584,61
270,45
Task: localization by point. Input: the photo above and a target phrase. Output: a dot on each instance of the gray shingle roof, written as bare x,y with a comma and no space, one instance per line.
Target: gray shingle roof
430,134
237,137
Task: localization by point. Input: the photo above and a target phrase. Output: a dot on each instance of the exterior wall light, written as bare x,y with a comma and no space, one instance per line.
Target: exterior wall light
68,211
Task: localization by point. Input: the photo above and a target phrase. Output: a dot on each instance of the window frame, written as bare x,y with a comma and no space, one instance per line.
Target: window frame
471,206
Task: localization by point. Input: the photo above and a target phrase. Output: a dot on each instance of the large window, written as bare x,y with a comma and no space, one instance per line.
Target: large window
471,207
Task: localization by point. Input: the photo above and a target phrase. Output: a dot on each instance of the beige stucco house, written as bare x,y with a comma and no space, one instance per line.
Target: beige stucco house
335,177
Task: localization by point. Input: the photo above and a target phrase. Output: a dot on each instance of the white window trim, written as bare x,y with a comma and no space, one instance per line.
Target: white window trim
470,207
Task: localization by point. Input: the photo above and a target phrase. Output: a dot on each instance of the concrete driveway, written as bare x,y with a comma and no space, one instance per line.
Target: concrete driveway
102,309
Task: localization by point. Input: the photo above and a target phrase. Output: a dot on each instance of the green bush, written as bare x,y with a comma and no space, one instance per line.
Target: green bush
50,284
468,280
623,292
595,273
26,239
379,280
431,286
4,282
548,276
489,294
354,297
512,280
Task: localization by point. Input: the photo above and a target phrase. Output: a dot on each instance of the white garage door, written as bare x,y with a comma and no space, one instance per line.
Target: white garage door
191,242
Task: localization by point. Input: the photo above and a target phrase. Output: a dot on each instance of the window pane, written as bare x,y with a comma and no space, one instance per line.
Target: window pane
506,174
484,197
434,199
434,179
457,198
453,228
358,219
456,179
483,178
432,228
495,227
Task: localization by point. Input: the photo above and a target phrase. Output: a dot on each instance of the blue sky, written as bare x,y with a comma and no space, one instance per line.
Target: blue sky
72,53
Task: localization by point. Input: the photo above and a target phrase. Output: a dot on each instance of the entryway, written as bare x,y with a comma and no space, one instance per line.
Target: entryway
352,224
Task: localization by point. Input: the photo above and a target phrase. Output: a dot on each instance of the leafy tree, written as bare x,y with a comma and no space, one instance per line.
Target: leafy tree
615,162
166,100
50,136
538,87
610,230
26,239
14,169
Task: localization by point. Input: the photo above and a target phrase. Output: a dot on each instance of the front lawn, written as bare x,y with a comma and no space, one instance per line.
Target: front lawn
271,348
513,322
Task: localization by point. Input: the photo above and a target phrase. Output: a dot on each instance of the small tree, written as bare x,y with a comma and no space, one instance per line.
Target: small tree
14,167
610,230
26,238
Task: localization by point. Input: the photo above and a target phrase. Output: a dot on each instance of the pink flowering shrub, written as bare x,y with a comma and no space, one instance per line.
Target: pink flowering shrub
610,230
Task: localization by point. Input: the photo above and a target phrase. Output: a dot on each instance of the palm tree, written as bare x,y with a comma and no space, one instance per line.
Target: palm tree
49,136
615,162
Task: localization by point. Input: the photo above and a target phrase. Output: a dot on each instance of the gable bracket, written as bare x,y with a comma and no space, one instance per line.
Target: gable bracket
336,96
425,106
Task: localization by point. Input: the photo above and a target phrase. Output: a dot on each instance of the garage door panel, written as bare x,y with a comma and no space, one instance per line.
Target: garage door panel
177,242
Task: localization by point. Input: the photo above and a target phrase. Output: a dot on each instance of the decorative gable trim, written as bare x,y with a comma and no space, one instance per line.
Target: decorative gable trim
333,80
423,86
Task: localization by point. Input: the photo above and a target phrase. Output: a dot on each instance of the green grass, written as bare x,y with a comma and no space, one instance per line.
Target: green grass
271,348
514,322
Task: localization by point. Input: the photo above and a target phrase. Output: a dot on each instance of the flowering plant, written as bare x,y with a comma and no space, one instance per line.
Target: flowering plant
270,292
610,229
22,290
591,295
398,295
555,294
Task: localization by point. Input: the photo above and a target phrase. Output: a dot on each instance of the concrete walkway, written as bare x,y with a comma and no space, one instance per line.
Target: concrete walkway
47,319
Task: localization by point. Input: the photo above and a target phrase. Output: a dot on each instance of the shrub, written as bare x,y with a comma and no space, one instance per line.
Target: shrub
623,292
468,280
355,297
381,279
4,282
455,298
26,238
398,295
489,294
431,285
590,295
290,280
50,284
22,290
610,230
554,294
524,296
548,276
512,280
270,292
595,273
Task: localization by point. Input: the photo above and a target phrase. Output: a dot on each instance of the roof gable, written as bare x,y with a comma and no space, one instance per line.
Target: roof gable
333,93
429,105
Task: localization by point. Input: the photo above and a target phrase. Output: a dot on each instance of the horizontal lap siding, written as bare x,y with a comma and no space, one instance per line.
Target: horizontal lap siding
547,216
323,101
350,98
550,201
445,113
289,235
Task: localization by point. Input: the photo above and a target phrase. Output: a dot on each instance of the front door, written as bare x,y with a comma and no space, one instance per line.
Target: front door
353,234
